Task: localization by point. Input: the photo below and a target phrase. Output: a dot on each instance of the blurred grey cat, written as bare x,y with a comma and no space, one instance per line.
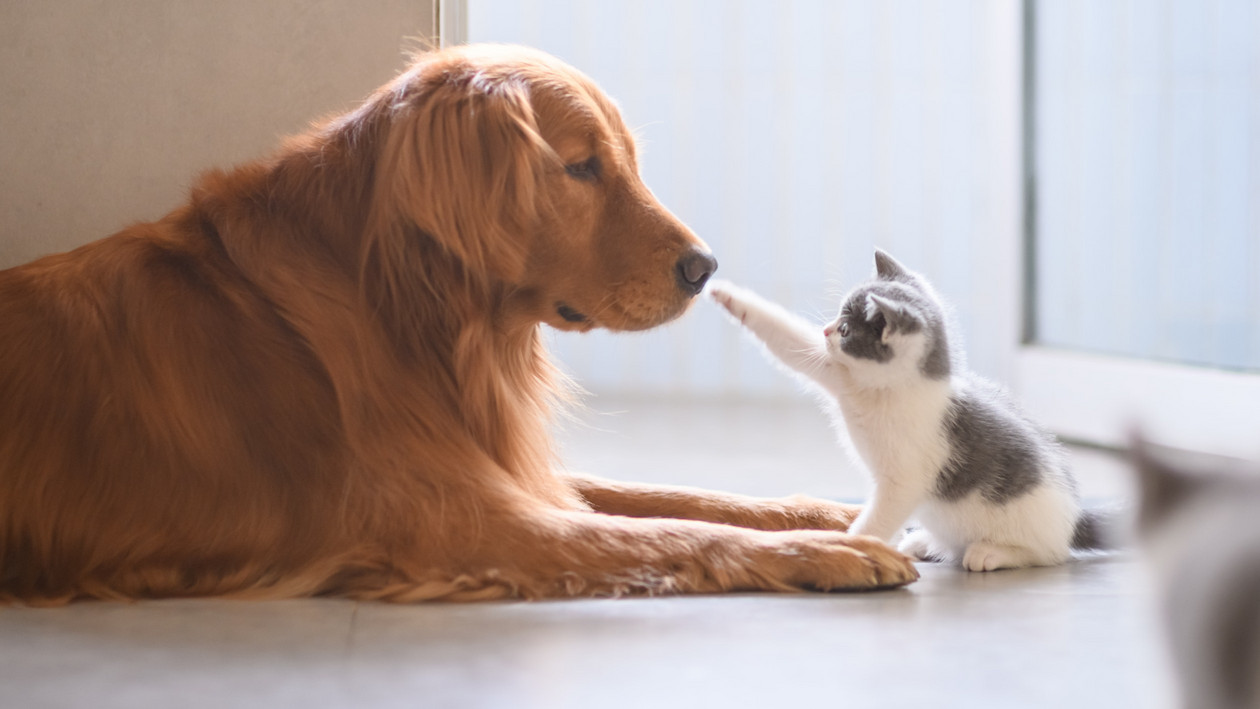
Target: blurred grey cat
991,488
1200,528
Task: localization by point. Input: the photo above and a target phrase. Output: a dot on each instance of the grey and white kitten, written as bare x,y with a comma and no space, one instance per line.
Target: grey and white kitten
991,489
1200,529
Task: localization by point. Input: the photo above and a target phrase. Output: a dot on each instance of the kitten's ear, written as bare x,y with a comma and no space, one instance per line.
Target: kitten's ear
898,317
887,268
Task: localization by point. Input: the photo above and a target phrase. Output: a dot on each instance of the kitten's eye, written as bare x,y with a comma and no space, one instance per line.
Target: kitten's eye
844,329
586,171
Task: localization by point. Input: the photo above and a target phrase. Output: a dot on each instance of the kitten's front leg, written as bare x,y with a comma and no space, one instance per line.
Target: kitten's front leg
789,338
888,509
920,544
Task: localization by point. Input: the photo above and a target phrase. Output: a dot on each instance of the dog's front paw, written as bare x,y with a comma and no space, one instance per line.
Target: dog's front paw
831,561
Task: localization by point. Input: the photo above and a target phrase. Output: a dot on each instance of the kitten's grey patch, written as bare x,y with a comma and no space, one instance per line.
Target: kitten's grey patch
994,449
865,339
936,362
900,298
887,267
898,316
1100,528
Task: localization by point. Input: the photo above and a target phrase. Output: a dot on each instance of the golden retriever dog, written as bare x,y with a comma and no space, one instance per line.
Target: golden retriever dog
323,375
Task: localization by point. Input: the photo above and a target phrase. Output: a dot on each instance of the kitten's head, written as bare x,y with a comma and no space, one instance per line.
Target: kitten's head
891,327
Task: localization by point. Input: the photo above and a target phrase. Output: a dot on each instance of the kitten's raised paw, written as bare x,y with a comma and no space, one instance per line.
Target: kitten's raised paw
726,294
983,556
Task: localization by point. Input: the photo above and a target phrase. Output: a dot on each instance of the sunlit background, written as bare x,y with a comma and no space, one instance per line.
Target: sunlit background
794,142
1079,180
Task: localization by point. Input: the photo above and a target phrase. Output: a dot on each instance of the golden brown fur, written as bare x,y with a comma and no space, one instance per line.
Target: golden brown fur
323,375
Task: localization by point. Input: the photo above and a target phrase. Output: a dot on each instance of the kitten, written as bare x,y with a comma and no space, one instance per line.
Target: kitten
1199,529
991,488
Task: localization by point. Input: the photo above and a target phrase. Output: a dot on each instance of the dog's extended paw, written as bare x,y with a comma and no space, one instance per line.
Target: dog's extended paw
832,561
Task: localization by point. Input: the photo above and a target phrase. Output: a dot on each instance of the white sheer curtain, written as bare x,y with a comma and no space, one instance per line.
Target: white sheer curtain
794,137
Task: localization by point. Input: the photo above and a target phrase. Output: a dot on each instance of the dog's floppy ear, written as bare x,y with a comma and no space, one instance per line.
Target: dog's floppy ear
463,163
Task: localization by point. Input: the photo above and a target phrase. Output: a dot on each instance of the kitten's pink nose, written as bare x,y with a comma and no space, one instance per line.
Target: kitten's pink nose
827,331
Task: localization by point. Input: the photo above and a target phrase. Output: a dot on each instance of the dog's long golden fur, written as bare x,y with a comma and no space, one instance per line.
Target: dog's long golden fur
324,375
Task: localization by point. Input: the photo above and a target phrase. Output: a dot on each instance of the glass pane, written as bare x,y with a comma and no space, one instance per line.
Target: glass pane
1147,119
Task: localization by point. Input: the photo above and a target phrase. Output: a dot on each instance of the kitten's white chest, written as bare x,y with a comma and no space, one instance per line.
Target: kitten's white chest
898,430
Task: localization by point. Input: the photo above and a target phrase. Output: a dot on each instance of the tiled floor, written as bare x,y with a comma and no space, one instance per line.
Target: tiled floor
1074,636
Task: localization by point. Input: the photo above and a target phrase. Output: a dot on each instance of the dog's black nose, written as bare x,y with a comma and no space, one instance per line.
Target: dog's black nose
694,270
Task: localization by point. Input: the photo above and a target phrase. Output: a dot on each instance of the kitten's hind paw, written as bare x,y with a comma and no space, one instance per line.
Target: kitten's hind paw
983,556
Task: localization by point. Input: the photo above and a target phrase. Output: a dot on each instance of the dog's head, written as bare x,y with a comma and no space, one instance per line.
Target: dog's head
524,172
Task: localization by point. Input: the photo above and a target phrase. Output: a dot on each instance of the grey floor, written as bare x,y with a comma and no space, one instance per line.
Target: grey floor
1079,635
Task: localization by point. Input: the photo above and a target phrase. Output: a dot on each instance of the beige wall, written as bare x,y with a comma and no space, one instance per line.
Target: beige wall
109,110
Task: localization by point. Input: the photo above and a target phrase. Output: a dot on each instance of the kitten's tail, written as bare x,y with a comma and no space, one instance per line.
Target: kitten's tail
1102,528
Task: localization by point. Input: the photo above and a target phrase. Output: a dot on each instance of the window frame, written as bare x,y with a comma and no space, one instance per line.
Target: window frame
1101,399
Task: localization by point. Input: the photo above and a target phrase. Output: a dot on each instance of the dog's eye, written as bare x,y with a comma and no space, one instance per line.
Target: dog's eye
587,170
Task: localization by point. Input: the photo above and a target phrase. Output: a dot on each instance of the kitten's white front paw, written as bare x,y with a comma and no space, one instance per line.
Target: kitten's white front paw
919,545
728,295
983,556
